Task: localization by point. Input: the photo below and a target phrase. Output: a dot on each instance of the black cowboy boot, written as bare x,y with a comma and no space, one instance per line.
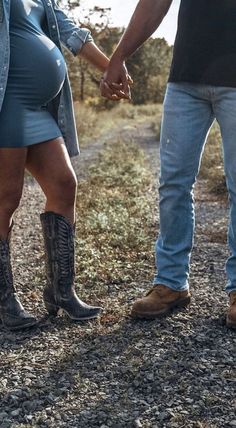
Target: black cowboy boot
59,292
12,313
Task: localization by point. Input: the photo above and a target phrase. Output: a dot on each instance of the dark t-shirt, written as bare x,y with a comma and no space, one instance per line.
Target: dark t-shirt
205,45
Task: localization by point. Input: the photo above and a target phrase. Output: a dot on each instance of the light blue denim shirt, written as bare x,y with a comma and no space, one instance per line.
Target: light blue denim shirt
61,29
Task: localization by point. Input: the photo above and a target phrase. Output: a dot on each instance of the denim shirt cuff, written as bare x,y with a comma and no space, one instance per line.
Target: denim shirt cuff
77,39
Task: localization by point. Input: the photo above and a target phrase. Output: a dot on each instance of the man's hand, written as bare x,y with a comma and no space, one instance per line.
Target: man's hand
115,82
146,18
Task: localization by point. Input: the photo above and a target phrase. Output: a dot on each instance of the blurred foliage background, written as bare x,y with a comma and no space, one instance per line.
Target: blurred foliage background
149,66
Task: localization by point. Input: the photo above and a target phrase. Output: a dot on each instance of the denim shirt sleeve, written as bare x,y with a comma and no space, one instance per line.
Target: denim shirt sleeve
71,36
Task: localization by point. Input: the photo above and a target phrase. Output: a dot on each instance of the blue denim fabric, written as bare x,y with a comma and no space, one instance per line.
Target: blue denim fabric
189,111
63,30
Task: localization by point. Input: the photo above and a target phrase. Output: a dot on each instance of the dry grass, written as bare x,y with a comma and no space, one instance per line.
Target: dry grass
212,168
157,122
91,123
116,218
137,112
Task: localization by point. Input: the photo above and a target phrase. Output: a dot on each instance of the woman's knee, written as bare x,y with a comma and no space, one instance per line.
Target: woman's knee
65,188
68,185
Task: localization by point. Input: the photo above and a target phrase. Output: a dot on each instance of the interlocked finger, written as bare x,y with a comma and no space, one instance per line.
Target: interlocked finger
112,91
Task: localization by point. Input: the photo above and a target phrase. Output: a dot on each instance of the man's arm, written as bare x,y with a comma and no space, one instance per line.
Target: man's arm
147,17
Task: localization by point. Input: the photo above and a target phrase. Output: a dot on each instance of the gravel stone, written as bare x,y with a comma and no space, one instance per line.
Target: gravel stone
3,415
16,412
137,423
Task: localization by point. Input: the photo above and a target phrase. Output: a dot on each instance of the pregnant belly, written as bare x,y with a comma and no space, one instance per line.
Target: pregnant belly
37,69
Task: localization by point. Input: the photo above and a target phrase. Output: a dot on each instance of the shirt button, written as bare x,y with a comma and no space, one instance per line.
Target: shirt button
53,26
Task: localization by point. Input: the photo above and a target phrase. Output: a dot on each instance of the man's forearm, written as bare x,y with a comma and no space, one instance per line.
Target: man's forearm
147,17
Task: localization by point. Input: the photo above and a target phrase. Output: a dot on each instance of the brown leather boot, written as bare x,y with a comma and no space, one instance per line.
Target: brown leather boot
231,313
159,302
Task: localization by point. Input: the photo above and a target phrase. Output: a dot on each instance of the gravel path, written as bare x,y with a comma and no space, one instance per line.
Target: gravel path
116,372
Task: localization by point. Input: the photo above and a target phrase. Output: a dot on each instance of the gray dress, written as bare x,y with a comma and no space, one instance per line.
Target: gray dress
36,75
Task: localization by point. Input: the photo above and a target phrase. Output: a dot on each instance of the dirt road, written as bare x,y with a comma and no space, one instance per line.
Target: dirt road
177,372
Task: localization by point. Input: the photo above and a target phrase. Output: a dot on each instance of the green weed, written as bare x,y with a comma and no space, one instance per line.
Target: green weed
116,218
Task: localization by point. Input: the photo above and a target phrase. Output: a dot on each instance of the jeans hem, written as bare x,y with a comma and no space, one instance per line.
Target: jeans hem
181,288
230,286
228,291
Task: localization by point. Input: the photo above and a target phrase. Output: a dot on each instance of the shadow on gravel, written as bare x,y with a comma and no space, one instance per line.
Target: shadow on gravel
153,365
136,367
45,324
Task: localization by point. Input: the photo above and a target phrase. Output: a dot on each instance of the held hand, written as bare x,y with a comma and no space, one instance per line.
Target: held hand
116,81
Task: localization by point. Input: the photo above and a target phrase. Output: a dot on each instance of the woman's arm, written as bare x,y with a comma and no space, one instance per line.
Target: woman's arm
91,53
79,40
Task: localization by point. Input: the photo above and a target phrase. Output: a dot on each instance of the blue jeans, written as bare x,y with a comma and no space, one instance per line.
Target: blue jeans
189,111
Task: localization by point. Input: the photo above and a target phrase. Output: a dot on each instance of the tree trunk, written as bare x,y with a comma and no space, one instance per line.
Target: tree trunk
82,81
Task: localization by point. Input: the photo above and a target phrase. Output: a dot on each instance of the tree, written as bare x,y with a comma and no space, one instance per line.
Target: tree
84,79
149,67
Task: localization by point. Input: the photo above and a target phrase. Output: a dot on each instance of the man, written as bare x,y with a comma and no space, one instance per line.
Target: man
201,88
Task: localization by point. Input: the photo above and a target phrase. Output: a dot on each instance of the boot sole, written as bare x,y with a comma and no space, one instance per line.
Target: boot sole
181,303
21,327
82,319
53,310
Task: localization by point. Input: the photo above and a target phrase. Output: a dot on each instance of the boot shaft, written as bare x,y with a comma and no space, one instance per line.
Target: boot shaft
60,253
58,236
6,276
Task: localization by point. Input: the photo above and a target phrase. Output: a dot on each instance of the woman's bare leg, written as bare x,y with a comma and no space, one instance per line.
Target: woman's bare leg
12,166
50,164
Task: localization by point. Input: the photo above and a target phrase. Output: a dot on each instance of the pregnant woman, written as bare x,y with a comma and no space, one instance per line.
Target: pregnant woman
37,133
